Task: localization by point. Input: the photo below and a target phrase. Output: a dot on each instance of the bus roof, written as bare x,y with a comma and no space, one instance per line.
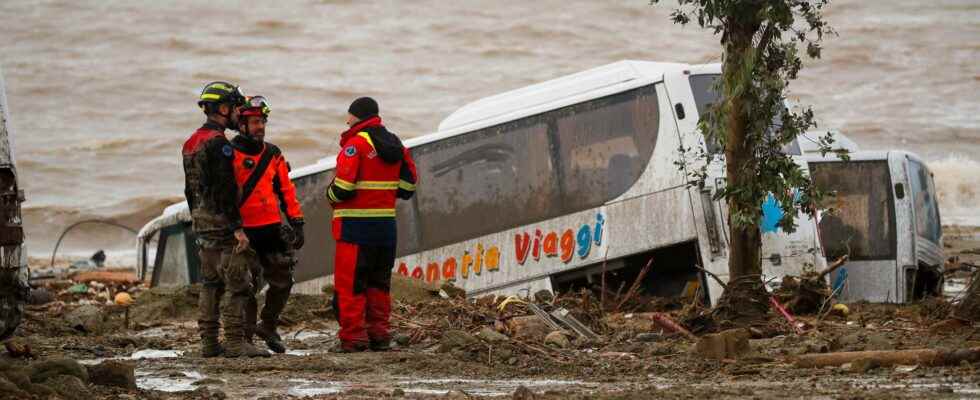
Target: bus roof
537,98
555,93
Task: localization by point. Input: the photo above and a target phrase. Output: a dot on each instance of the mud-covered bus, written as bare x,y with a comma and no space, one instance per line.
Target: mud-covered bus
885,216
543,187
13,258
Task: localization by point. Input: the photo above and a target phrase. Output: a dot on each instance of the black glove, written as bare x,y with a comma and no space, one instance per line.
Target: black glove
298,238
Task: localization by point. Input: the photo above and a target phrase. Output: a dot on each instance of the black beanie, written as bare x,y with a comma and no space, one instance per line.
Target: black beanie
363,108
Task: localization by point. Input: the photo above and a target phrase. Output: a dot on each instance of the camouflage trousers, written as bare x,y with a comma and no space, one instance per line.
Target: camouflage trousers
276,272
228,285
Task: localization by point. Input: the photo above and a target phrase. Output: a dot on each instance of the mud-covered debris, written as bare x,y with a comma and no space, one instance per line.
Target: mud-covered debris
453,340
398,392
87,318
113,373
41,296
9,390
492,336
649,337
69,387
544,296
448,291
457,395
557,339
46,369
528,328
19,348
523,393
730,344
864,365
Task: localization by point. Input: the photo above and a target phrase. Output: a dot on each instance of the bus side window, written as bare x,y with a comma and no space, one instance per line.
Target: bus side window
605,145
486,181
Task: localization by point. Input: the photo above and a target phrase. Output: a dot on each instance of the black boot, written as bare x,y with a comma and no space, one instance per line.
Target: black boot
272,339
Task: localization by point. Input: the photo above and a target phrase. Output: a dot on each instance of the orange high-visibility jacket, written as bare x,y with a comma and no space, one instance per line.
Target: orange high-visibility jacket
273,193
373,170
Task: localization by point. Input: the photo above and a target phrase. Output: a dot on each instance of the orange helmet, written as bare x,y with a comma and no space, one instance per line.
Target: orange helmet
256,106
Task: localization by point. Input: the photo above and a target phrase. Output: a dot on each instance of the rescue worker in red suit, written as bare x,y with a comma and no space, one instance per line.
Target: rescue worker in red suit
212,197
373,170
265,192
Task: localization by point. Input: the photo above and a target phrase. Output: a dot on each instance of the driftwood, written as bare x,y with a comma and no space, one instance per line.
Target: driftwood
833,267
635,287
927,357
669,324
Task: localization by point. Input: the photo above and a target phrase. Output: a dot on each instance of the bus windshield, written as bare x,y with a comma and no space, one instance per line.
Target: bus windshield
861,218
705,95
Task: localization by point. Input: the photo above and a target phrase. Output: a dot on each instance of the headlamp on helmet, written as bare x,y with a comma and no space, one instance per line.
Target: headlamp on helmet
256,106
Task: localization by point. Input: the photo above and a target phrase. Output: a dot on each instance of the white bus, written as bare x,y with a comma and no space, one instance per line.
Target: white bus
542,187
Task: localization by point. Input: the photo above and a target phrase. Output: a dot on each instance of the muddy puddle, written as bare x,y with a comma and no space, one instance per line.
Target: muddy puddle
300,388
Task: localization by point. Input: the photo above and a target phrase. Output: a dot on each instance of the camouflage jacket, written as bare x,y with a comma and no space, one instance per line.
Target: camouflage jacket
209,185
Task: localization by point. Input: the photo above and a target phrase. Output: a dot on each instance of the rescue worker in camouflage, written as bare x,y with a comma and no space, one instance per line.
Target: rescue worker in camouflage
373,169
266,191
212,197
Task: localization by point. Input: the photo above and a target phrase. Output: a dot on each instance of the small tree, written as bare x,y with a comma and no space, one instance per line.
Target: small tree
762,42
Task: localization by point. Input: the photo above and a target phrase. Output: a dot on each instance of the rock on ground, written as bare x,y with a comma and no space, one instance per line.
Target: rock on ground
113,373
528,328
87,318
44,370
492,336
453,340
523,393
69,387
729,344
557,339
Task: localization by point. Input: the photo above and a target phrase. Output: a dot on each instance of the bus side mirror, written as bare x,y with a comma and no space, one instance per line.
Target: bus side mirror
899,191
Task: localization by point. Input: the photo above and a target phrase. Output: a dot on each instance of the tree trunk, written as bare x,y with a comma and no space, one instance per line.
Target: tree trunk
745,300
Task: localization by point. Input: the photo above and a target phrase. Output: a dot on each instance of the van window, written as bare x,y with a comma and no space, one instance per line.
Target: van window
924,200
605,146
862,224
485,181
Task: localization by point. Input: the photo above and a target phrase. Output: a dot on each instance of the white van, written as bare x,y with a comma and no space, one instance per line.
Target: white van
539,188
886,217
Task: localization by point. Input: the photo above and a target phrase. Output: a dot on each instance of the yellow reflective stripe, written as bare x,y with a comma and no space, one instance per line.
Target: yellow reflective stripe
210,96
343,184
404,185
376,185
366,137
365,212
332,196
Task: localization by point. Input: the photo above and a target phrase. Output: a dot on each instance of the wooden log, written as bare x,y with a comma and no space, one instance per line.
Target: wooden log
669,324
927,357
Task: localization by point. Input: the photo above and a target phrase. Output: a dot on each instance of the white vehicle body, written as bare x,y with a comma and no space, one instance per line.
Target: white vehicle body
539,188
886,217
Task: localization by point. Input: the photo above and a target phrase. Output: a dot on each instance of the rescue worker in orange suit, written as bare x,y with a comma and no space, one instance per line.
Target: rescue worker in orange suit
266,192
373,170
212,197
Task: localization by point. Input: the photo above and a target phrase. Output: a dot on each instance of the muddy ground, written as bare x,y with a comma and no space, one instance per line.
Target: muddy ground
454,348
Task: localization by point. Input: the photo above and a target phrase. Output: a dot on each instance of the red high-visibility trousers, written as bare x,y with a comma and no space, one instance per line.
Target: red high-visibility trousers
362,282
